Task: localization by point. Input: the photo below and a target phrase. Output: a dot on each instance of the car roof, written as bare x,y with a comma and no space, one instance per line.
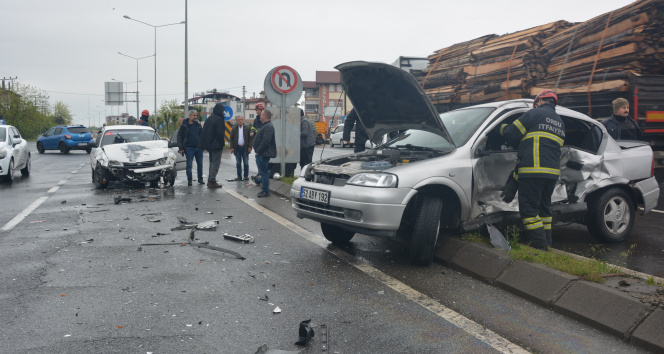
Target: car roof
127,127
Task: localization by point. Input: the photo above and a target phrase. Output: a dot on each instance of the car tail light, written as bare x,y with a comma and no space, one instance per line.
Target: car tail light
652,166
67,136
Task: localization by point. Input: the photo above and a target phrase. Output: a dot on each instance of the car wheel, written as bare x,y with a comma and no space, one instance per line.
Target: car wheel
10,172
93,174
40,148
63,148
335,234
25,171
88,150
611,216
100,178
425,233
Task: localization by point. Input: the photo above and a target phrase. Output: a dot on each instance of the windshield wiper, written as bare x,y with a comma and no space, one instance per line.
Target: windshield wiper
414,147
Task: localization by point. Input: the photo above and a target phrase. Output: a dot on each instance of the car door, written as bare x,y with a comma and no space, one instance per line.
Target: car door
95,151
180,161
46,140
493,161
20,150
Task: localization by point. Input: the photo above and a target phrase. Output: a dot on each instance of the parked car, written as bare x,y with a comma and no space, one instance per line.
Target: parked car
336,137
14,153
65,139
447,170
132,153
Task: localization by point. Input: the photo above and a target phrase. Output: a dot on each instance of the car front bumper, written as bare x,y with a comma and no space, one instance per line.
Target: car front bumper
140,174
373,211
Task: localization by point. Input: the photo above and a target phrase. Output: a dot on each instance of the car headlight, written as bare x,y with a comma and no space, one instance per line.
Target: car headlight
382,180
115,163
3,153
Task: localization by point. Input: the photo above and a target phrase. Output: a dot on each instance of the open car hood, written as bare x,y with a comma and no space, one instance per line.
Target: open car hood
137,152
387,99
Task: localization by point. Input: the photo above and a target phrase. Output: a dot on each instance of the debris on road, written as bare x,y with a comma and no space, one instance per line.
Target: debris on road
264,298
497,238
210,225
246,238
193,242
305,333
63,202
119,199
276,310
264,349
152,218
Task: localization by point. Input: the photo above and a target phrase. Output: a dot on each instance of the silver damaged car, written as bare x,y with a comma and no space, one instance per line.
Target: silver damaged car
447,170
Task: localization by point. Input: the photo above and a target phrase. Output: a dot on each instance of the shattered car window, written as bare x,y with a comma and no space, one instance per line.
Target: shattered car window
127,136
3,134
463,123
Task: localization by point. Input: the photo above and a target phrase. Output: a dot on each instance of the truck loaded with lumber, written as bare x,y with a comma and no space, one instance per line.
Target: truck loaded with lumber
588,64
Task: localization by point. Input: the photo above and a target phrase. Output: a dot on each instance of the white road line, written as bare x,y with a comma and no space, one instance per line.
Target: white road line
476,330
22,215
53,189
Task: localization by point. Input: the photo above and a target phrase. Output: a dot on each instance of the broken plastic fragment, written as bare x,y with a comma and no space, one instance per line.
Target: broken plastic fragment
497,238
305,333
119,199
276,310
152,218
263,349
246,238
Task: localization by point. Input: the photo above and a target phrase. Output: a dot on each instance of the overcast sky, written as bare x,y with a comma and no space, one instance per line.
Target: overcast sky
69,48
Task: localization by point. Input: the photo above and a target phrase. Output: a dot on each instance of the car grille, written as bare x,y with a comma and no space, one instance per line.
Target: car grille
335,180
319,208
139,165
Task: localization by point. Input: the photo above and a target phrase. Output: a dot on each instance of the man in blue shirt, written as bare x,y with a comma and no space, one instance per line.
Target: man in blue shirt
189,136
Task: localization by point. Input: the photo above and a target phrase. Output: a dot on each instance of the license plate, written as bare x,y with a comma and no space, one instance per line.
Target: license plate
315,195
82,144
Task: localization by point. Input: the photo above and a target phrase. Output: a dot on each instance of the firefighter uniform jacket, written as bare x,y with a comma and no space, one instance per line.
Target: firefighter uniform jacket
540,134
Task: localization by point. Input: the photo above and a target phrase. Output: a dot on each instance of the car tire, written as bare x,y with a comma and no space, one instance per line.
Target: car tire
9,178
25,171
93,174
611,216
425,232
88,150
100,179
335,234
40,147
63,148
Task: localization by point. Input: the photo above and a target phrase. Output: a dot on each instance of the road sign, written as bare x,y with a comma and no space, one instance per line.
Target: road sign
284,79
228,113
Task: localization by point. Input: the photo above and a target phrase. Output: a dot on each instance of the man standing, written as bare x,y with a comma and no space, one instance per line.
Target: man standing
361,136
212,140
540,133
619,125
257,121
307,140
145,115
189,137
265,148
241,147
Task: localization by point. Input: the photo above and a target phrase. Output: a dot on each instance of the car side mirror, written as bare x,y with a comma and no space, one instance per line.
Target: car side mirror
17,141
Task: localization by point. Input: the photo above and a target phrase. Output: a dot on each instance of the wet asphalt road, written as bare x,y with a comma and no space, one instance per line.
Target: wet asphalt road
73,279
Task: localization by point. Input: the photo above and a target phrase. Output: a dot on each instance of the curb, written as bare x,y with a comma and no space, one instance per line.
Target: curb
596,305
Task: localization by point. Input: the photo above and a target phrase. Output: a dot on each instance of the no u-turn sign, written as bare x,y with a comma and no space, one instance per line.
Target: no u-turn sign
283,86
284,79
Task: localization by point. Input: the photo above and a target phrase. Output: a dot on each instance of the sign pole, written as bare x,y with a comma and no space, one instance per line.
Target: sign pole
283,135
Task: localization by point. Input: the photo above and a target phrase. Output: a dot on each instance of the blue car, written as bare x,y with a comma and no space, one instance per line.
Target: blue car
65,139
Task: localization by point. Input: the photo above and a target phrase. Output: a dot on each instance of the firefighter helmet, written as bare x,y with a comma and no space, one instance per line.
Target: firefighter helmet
145,113
259,106
546,94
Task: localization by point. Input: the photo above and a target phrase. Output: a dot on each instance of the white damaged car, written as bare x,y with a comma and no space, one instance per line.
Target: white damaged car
447,170
132,153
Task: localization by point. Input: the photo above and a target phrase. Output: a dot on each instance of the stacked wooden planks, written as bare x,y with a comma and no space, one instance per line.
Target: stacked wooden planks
583,59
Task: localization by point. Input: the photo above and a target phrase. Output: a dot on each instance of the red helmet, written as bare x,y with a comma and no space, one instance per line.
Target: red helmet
259,106
145,113
546,94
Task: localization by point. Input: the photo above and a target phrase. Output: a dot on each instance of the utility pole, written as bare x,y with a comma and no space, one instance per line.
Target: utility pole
8,79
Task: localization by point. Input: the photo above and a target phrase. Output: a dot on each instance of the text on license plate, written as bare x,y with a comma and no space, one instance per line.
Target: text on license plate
82,144
315,195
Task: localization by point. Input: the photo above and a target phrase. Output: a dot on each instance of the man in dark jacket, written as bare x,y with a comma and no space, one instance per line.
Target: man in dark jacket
361,136
540,133
619,125
265,148
145,115
307,140
212,140
241,147
189,138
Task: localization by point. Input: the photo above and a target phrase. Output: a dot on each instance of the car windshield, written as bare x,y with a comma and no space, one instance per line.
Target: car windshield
460,124
128,136
78,130
3,134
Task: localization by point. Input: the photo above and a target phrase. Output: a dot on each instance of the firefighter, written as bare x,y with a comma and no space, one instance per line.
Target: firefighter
540,133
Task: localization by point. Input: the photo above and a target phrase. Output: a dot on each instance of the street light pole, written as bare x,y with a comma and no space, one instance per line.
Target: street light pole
137,81
155,59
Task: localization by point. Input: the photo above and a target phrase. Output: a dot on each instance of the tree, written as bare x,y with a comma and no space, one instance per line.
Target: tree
61,113
132,120
26,108
169,112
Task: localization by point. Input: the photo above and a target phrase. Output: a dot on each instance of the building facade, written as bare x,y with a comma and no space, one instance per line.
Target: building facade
325,100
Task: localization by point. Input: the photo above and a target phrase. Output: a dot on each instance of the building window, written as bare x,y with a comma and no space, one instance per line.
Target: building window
251,116
332,88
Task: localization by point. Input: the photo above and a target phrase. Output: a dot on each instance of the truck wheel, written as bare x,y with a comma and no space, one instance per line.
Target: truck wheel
63,148
25,171
335,234
100,179
40,147
425,233
611,216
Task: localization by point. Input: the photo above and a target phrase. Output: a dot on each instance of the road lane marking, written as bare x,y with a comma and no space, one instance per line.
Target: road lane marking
474,329
53,189
22,215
